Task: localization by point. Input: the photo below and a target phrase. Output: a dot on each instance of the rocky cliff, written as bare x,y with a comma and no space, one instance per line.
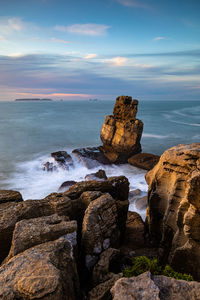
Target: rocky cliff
174,207
121,132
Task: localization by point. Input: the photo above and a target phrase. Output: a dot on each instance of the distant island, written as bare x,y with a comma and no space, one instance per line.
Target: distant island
33,99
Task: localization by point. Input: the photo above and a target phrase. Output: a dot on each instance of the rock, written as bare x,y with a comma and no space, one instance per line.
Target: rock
174,210
141,203
102,291
148,287
49,167
136,288
117,187
47,272
13,212
134,234
65,185
102,267
144,161
101,228
32,232
63,159
99,175
121,132
10,196
90,157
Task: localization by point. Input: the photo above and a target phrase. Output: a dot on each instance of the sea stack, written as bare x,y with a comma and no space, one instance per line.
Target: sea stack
121,132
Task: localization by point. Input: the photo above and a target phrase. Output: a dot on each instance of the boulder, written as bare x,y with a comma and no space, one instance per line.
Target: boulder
32,232
173,208
99,175
65,185
141,203
13,212
102,267
63,159
102,291
134,234
46,271
10,196
49,167
102,227
148,287
121,132
90,157
144,161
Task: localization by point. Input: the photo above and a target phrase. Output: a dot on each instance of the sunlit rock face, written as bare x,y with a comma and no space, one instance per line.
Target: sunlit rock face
121,132
174,207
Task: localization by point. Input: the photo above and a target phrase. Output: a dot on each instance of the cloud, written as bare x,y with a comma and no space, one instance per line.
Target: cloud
52,95
159,38
11,25
84,29
118,60
91,55
55,40
2,38
133,3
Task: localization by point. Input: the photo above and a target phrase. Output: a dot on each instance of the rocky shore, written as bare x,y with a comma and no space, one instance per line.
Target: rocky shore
76,244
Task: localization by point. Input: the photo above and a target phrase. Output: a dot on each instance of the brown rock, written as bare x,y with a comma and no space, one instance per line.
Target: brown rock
141,203
63,159
12,212
148,287
65,185
134,234
10,196
121,133
46,272
99,175
102,267
101,228
32,232
174,210
102,291
144,161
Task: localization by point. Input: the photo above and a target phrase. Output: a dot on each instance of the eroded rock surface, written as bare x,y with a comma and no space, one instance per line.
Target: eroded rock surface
46,272
148,287
10,196
90,157
121,132
144,161
174,207
99,175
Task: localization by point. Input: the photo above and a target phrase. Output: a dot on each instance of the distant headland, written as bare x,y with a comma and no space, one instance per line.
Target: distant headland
33,99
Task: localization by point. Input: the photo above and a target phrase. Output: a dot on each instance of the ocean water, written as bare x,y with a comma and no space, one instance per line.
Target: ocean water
30,131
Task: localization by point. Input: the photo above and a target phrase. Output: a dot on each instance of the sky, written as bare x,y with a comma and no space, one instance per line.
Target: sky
81,49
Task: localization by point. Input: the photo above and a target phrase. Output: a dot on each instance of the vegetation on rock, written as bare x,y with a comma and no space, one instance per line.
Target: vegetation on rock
143,264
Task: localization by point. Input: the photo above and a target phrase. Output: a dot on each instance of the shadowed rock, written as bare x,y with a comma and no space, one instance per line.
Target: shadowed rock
144,161
10,196
99,175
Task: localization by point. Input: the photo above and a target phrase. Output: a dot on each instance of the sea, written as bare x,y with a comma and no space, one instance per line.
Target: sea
30,131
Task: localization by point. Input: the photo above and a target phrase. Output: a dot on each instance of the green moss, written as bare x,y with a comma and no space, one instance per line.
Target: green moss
143,264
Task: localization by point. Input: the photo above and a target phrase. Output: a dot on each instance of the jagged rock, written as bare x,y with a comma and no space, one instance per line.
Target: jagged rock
144,161
101,227
12,212
102,291
148,287
63,159
47,272
99,175
90,157
121,133
141,203
65,185
102,267
174,210
117,187
134,234
32,232
10,196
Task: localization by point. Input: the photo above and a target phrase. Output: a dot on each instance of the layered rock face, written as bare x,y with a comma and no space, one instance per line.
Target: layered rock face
121,132
174,207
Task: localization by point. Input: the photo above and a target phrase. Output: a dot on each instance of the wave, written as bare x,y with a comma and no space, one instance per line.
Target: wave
35,183
155,136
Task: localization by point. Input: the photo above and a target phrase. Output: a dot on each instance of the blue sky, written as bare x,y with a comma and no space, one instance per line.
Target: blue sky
148,49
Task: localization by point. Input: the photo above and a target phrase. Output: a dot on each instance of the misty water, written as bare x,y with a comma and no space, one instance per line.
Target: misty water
30,131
